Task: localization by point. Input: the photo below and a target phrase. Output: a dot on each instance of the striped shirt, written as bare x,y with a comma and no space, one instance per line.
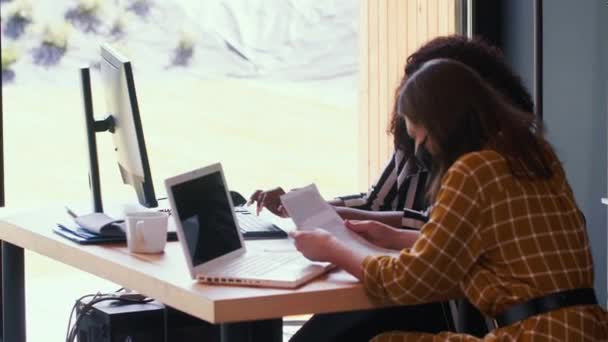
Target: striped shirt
397,189
499,240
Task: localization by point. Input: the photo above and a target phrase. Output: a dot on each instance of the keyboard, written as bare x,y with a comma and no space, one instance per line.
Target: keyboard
253,227
257,265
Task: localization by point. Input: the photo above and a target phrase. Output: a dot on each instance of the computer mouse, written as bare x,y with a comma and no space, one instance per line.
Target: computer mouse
237,199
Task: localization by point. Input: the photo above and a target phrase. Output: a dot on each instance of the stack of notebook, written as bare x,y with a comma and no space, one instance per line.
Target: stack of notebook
97,228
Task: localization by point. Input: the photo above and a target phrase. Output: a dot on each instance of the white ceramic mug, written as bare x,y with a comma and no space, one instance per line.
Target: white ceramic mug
146,231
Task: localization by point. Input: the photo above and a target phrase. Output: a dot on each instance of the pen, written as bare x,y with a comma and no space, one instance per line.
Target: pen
70,212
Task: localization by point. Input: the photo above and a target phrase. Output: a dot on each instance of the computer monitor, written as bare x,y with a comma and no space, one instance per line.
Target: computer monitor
124,122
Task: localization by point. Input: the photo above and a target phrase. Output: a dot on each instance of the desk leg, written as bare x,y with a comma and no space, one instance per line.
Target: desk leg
13,293
268,331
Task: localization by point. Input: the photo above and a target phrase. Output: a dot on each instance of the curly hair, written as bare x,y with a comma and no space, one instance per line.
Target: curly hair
486,60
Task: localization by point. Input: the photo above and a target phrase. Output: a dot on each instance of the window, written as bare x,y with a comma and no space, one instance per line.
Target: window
260,86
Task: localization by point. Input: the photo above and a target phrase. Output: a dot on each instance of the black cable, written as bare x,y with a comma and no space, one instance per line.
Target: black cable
73,330
67,332
97,298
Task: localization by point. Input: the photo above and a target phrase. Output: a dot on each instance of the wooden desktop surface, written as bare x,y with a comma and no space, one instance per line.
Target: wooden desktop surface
165,277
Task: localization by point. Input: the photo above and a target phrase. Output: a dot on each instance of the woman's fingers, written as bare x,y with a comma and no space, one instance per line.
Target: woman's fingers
254,197
268,199
281,211
261,202
358,226
300,237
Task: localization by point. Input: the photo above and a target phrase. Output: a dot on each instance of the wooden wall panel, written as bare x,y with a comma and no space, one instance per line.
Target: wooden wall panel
374,84
393,74
364,89
390,30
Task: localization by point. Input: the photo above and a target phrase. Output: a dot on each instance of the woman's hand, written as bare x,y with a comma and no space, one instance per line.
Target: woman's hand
316,245
319,245
383,235
270,199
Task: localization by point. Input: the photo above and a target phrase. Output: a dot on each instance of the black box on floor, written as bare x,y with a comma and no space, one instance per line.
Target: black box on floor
113,321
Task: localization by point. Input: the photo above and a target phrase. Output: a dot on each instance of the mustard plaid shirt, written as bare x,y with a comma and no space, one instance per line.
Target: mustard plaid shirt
499,240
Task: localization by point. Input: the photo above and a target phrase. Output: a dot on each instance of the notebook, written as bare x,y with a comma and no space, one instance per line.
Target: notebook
213,245
81,232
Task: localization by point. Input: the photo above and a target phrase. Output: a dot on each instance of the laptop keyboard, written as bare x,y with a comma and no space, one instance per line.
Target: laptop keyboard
258,264
253,227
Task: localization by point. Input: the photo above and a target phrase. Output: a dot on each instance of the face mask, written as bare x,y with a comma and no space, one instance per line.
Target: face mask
423,156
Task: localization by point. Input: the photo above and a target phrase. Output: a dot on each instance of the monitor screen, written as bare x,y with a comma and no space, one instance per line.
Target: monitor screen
206,217
128,136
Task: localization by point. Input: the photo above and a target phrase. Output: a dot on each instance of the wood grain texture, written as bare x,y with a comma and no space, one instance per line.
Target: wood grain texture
390,31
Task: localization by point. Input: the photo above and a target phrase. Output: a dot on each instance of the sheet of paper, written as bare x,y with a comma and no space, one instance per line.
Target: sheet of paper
309,210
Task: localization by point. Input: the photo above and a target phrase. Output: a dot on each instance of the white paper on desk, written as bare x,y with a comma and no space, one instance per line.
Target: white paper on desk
309,210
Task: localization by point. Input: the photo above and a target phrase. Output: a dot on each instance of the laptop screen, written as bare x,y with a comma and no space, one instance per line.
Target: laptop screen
206,216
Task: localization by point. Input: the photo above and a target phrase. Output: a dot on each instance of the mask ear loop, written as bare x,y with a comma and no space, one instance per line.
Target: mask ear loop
423,144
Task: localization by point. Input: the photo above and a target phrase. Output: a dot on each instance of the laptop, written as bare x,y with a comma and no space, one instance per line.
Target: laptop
213,245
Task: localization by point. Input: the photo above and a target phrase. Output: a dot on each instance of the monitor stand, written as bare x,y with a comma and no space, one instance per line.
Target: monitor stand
92,127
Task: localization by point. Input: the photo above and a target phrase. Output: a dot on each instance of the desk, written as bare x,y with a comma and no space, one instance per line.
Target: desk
166,278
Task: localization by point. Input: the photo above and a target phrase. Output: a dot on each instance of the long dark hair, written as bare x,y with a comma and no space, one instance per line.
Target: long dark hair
485,59
462,113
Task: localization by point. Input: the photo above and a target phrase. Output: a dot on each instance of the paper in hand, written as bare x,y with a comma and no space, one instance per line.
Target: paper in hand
309,210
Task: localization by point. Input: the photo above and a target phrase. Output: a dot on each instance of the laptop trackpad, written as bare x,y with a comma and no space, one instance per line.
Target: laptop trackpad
294,271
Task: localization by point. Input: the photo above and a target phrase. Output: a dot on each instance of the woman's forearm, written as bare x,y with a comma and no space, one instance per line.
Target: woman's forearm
391,218
336,202
406,239
351,260
347,259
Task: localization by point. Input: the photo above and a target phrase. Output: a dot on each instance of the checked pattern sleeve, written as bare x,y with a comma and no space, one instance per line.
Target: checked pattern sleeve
448,246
